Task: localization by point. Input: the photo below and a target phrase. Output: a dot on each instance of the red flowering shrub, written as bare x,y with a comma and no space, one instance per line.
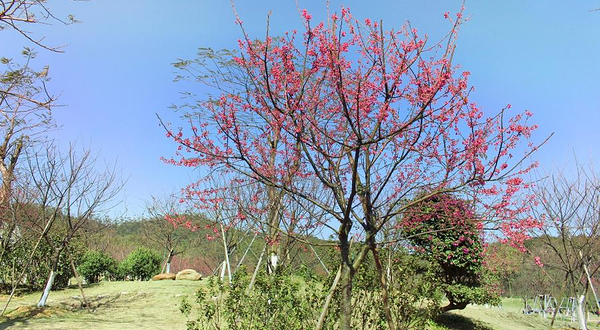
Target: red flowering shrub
445,229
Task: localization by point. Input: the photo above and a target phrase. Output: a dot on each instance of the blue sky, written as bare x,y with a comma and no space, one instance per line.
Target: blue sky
115,74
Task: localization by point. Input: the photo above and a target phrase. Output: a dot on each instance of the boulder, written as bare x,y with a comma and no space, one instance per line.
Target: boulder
189,275
166,276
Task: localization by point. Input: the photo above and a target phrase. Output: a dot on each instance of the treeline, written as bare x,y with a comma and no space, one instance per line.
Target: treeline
521,276
194,247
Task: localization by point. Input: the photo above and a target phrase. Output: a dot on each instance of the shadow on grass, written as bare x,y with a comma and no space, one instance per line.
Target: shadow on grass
85,286
459,322
22,315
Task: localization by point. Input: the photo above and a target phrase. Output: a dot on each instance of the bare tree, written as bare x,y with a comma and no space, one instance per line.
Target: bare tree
25,103
570,207
68,192
25,115
166,227
17,14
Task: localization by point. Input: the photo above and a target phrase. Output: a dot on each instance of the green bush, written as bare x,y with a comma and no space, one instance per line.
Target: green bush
279,301
291,301
141,264
95,264
38,268
413,294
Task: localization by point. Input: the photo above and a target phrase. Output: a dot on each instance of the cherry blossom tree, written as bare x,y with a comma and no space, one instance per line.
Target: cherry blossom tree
380,119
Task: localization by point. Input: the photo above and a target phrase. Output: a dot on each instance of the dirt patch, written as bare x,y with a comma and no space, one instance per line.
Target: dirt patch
36,312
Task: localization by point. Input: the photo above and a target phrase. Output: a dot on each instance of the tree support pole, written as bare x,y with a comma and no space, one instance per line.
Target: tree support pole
328,299
226,257
256,269
85,301
321,261
246,252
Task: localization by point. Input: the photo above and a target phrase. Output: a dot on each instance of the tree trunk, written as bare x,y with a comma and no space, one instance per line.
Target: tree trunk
47,289
273,261
452,306
226,265
167,267
274,196
348,271
346,303
562,291
85,302
245,253
321,261
50,281
580,313
256,270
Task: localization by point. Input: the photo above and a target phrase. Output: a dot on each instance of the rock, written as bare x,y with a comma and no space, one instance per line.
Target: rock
166,276
189,275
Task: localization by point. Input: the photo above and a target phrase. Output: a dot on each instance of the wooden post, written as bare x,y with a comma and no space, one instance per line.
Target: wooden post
78,281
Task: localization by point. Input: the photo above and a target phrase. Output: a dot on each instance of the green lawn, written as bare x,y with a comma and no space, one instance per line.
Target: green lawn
507,317
118,305
155,305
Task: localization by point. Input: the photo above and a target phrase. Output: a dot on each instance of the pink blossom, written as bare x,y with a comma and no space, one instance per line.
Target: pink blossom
306,15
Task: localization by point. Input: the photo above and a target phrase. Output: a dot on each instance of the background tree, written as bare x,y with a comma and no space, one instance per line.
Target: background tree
506,262
375,117
25,108
97,264
25,115
141,264
67,191
169,228
16,14
569,205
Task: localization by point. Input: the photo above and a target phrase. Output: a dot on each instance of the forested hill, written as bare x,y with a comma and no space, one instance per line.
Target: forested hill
201,246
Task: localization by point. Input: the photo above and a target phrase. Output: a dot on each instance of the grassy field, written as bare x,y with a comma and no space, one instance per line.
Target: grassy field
154,305
507,317
117,305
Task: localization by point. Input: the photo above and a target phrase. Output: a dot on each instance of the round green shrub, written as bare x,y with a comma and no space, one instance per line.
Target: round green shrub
141,264
95,264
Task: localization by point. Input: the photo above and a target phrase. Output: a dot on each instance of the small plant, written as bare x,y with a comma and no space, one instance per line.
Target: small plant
95,264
